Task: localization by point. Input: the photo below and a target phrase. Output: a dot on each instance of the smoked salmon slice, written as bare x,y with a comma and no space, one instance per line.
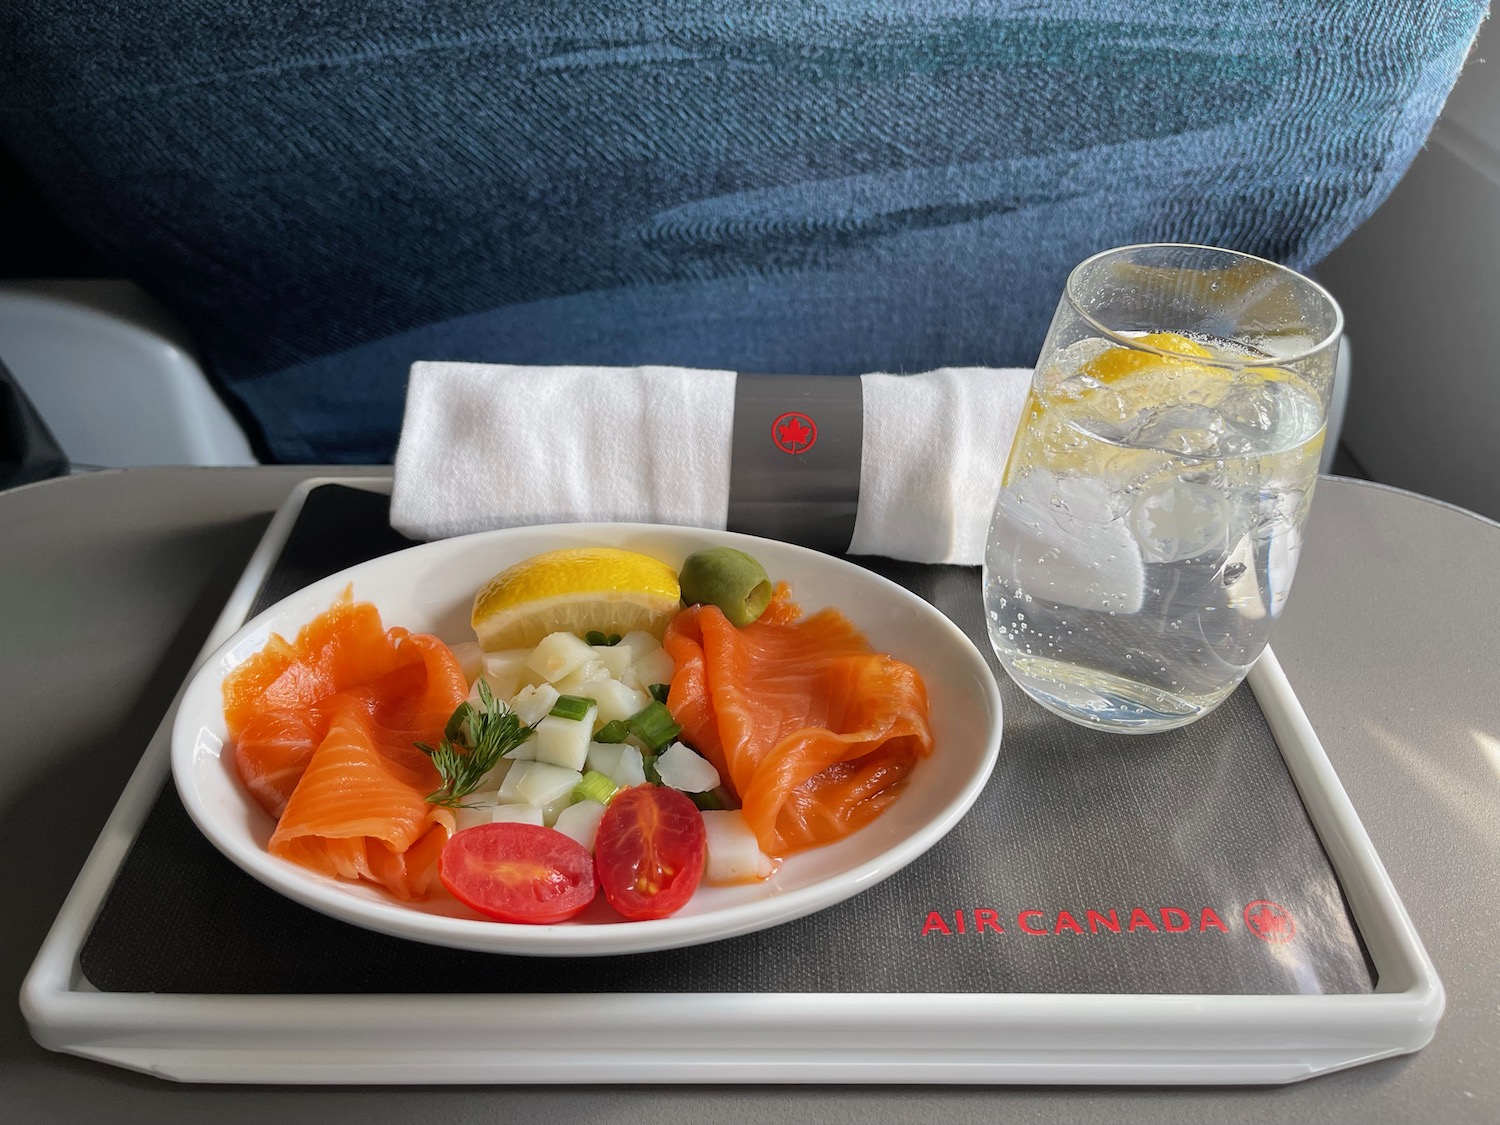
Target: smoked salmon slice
272,752
342,647
356,813
324,732
815,732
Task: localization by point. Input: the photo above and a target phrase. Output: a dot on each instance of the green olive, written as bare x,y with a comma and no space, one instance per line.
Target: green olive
729,579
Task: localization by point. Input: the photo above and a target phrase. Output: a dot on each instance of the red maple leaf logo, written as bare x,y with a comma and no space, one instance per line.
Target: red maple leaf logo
1270,921
794,432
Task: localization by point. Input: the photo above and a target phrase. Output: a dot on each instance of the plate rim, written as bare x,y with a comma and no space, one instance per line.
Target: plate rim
324,895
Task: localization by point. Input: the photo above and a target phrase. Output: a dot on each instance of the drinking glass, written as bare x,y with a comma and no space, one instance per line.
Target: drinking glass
1150,515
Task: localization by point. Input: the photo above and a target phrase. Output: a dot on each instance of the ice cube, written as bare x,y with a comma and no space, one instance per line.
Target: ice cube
1076,552
1178,519
1188,428
1251,408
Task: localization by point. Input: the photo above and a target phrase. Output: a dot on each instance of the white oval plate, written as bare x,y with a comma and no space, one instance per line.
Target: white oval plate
430,589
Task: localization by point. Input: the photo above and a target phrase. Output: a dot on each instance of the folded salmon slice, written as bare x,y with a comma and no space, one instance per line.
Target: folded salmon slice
815,732
272,752
324,733
359,811
343,647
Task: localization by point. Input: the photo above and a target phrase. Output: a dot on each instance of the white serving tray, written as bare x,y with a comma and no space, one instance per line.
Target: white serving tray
757,1037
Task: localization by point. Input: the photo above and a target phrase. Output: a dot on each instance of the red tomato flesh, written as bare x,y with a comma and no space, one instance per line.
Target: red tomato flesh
515,872
650,852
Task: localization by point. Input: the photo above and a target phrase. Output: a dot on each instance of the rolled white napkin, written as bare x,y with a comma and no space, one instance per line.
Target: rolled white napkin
488,445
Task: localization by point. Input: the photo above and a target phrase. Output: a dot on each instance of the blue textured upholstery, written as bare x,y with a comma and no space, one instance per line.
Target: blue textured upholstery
329,191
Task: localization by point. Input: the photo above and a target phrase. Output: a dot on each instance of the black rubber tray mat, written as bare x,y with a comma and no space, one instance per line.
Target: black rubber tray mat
1181,862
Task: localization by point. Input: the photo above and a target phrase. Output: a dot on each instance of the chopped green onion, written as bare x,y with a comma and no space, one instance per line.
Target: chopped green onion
594,637
659,692
654,726
595,786
573,707
708,801
648,765
613,731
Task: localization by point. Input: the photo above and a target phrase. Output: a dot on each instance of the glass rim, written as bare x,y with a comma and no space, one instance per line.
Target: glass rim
1331,338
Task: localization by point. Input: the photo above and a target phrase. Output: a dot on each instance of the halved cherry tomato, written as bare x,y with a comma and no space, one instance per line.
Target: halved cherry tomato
650,851
516,872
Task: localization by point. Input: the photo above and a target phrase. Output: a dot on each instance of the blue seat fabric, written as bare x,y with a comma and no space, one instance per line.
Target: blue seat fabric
330,191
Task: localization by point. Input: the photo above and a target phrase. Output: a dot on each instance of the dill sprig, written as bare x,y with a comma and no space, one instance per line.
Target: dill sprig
473,742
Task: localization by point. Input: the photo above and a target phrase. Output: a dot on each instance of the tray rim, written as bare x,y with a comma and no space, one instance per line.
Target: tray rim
783,1038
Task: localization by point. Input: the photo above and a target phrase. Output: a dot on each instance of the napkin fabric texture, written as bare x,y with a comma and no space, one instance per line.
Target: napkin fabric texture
485,446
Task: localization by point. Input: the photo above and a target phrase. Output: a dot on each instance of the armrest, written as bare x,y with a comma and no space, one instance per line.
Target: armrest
114,377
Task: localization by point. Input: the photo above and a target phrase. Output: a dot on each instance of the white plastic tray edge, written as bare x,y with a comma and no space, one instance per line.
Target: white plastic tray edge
769,1038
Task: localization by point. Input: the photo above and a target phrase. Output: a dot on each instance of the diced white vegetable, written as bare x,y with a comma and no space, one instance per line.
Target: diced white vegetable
500,689
467,817
654,668
565,742
493,780
616,658
556,808
581,680
619,761
615,700
506,794
505,671
531,704
537,783
524,814
581,822
638,643
682,768
508,661
558,654
734,854
470,658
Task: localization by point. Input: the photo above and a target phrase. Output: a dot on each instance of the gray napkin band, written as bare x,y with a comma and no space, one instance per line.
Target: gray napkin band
794,464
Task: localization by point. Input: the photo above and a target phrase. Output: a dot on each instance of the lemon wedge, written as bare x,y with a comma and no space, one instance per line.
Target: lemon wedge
576,590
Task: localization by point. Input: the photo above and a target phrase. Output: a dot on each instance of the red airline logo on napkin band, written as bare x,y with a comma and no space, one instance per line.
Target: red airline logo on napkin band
1267,920
794,432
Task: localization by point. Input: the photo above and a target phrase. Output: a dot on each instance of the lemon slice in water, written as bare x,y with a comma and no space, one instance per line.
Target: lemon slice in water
1115,363
1132,377
576,589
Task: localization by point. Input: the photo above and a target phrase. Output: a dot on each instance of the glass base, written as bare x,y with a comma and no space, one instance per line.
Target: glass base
1092,698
